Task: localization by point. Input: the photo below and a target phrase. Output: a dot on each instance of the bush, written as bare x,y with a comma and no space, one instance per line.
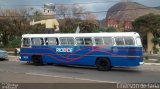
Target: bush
16,42
146,57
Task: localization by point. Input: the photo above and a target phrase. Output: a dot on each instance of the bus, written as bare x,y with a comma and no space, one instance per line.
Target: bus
100,50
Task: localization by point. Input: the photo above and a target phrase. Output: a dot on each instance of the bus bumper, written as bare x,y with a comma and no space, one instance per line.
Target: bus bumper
141,63
19,57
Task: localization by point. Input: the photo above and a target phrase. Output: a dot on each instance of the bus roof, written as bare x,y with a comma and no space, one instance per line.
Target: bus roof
104,34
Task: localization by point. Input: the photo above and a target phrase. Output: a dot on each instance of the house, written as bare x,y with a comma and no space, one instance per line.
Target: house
111,22
124,25
128,25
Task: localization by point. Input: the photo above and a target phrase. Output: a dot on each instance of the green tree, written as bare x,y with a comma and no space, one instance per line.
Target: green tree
15,22
111,29
148,23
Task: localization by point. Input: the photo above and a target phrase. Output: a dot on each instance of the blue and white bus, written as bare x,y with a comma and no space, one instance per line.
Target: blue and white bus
101,50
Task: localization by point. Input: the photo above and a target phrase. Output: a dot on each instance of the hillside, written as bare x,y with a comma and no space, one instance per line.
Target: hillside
129,11
158,7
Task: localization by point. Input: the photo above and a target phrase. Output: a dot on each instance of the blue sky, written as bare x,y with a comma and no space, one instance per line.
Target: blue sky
90,7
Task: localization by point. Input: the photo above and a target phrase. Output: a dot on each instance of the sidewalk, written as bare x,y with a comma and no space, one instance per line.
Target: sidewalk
152,64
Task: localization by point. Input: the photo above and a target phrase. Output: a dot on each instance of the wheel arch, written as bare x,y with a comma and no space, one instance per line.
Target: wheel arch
105,58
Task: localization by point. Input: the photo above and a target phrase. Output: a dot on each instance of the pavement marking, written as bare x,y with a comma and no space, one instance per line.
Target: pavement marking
85,79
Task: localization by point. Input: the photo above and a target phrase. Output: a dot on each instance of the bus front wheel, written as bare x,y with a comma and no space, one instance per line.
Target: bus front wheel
37,60
103,64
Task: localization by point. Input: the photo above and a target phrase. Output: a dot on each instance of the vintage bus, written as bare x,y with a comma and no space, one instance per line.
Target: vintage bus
100,50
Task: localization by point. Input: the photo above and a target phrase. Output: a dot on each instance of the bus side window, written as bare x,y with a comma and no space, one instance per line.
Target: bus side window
26,42
138,41
37,41
79,41
84,41
67,41
41,40
70,41
88,41
108,41
119,41
51,41
98,41
129,41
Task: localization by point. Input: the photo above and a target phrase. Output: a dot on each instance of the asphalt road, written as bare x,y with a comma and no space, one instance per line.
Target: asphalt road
16,71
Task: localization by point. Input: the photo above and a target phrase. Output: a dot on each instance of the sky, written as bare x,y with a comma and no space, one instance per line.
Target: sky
90,5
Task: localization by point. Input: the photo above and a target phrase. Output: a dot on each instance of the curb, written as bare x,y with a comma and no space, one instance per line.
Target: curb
151,63
12,56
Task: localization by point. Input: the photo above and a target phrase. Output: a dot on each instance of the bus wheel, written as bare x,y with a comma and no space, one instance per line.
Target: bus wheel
37,60
103,64
50,63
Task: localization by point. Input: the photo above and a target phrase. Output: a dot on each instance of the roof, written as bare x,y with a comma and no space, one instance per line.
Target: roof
104,34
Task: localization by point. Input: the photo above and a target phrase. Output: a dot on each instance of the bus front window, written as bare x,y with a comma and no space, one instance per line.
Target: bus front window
26,42
129,41
138,41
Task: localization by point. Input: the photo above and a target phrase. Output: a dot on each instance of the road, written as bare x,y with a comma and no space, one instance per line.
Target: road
16,71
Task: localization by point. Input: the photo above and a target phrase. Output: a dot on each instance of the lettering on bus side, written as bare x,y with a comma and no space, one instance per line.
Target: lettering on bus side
68,50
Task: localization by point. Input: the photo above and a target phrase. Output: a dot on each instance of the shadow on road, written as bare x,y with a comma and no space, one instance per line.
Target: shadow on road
115,69
126,69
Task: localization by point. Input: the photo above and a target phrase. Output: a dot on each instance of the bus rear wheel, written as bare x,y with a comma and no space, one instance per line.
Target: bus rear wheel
103,64
37,60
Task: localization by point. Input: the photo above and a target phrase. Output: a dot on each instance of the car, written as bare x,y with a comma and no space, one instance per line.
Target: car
3,54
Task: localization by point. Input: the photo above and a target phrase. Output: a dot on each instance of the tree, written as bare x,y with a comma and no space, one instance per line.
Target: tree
72,16
15,22
111,29
148,23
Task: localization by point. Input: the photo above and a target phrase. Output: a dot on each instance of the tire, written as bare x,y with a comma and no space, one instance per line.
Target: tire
103,64
37,60
50,63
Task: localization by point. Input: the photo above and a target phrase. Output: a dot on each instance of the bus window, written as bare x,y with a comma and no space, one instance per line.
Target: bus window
63,41
80,41
26,42
119,41
108,41
51,41
98,41
129,41
138,41
37,41
84,41
67,41
88,41
70,41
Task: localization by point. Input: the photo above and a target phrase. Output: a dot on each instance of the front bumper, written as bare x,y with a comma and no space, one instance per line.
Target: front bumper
141,63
